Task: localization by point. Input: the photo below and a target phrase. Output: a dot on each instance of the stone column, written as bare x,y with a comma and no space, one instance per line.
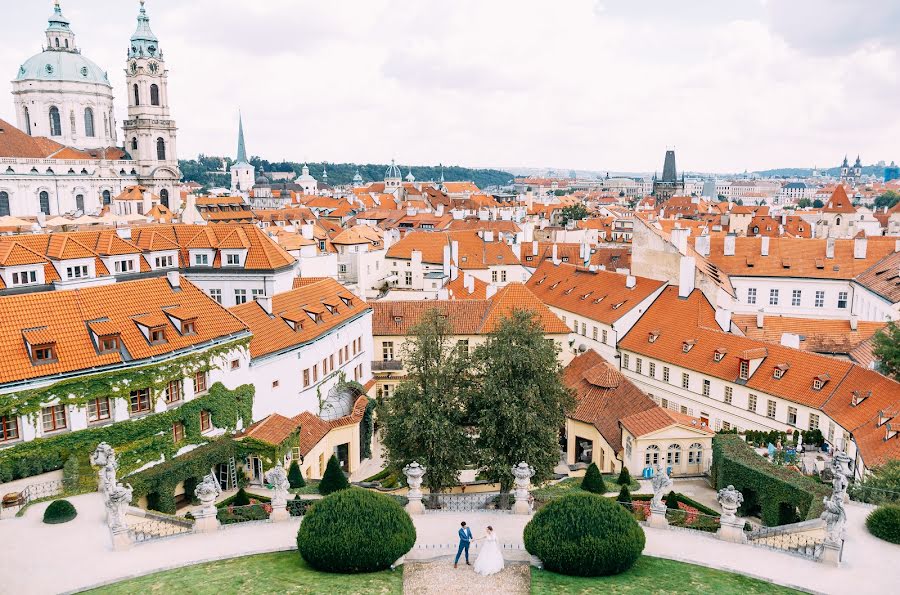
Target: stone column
831,553
278,478
731,528
414,473
205,520
522,474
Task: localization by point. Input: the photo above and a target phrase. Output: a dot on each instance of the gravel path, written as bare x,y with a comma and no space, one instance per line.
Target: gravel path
439,577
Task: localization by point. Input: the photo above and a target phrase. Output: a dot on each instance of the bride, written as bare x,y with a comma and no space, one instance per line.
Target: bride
490,560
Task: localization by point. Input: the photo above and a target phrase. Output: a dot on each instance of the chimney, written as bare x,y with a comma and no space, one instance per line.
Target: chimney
488,235
630,281
469,282
265,302
728,247
454,253
760,318
446,260
859,247
555,254
410,211
490,291
439,210
791,340
124,232
306,230
764,246
829,248
686,268
701,244
783,219
534,247
723,318
854,322
679,239
174,278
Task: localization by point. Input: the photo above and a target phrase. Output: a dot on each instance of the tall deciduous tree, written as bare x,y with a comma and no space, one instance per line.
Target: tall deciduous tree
887,349
424,420
575,212
520,402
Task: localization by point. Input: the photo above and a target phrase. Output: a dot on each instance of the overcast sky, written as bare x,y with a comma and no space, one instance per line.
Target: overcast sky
605,84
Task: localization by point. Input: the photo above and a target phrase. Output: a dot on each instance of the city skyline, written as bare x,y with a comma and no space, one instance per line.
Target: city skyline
509,85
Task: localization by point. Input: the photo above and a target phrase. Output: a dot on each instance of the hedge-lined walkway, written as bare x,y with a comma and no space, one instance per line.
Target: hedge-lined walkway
81,555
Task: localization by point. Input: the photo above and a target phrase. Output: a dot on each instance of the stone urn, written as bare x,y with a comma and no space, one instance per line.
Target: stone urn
522,474
414,473
731,528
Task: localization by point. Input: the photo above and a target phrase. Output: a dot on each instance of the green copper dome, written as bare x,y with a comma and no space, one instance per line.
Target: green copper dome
61,66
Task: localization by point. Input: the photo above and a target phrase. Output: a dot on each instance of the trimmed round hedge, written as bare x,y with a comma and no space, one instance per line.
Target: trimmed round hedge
584,535
884,523
355,530
59,511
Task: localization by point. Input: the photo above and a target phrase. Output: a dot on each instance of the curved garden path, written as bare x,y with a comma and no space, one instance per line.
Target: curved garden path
77,555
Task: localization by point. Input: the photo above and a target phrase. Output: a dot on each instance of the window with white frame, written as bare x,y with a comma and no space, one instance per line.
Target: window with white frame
201,260
652,369
651,456
842,299
625,360
695,453
751,295
685,380
124,266
665,373
638,364
773,297
705,387
216,294
79,272
729,394
770,409
795,297
820,299
751,403
233,260
240,296
673,455
813,421
164,262
792,416
604,336
24,278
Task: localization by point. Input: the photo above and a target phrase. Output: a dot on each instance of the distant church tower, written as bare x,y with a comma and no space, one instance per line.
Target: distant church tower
669,185
149,129
242,173
851,175
392,177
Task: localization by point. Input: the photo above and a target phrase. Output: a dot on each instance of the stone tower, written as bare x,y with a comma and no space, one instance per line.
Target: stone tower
242,173
669,185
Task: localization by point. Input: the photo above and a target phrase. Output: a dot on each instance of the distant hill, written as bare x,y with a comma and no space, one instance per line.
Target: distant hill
203,170
801,172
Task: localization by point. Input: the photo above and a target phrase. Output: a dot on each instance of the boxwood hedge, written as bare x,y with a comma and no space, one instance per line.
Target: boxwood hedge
884,523
59,511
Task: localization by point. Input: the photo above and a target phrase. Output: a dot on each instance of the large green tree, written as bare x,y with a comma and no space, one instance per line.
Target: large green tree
887,349
575,212
424,420
888,199
520,401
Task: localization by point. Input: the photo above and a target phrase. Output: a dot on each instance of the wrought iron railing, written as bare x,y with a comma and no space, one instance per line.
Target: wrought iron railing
32,492
460,502
792,540
390,365
151,529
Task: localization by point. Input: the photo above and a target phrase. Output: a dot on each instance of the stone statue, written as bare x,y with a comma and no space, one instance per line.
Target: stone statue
840,469
661,483
278,478
208,490
522,474
105,457
117,501
730,499
414,473
834,517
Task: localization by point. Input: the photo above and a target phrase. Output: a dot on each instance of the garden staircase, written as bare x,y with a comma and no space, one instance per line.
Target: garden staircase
805,538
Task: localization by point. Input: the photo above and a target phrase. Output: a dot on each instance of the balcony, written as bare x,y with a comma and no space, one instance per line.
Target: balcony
389,365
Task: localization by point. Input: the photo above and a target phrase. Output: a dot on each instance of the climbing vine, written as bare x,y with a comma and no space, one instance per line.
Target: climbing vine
117,383
367,427
137,442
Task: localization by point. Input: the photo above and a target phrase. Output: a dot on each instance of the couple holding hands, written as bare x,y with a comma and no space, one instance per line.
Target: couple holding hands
489,560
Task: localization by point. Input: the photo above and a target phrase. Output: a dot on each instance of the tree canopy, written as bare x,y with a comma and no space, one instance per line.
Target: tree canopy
887,349
575,212
888,199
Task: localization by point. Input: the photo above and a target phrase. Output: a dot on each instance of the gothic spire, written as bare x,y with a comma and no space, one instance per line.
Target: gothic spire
242,149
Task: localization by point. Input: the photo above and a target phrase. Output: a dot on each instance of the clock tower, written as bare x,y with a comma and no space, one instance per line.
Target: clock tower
149,129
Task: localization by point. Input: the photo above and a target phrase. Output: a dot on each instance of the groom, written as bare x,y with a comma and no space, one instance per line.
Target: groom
465,538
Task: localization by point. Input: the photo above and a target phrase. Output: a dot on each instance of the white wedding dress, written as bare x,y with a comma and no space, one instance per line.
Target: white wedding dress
490,560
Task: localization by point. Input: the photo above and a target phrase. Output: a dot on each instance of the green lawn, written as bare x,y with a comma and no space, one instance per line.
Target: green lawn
282,572
655,575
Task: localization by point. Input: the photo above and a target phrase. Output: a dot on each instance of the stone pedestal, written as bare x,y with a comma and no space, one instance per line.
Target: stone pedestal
521,505
279,514
831,553
205,520
414,473
658,517
121,540
415,506
731,530
522,474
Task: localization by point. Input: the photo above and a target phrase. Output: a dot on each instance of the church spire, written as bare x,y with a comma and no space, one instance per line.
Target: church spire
144,43
242,149
59,35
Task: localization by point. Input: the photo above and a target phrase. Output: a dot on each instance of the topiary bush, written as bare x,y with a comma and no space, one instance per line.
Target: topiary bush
355,530
624,477
334,478
584,535
241,498
59,511
593,481
884,523
624,495
295,476
672,500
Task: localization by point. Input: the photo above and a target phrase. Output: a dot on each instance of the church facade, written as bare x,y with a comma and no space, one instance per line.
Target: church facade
63,155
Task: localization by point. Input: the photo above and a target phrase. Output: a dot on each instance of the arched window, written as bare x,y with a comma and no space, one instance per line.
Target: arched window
160,149
695,454
137,95
154,95
134,144
79,202
67,44
837,220
27,122
651,457
106,197
55,123
164,197
45,202
673,455
88,122
4,204
57,42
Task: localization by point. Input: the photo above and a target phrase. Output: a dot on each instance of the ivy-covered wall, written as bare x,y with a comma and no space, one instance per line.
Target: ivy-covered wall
782,494
138,441
116,383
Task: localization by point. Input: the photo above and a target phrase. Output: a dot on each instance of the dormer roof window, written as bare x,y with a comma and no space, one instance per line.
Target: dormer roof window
108,344
779,370
688,345
719,354
884,416
158,335
653,336
348,301
859,396
41,345
744,372
820,381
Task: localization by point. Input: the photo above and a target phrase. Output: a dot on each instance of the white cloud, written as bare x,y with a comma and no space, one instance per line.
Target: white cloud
575,84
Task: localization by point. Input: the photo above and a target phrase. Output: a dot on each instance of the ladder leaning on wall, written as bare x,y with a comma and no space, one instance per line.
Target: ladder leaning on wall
232,475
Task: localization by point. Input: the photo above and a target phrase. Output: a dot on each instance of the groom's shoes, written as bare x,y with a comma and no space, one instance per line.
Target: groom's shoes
454,565
467,563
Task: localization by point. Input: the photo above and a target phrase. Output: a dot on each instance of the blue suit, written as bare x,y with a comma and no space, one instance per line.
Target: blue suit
465,538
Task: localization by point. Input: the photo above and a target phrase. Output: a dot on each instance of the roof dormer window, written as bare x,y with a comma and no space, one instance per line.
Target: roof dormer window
779,370
688,345
568,291
744,372
859,396
233,260
189,327
157,335
654,335
43,354
820,381
719,354
108,344
348,301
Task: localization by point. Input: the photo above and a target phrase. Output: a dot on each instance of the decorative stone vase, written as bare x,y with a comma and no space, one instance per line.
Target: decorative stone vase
731,528
278,479
414,473
205,514
522,474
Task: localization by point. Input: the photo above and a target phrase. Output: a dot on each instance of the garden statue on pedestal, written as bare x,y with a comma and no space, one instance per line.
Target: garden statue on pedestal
661,483
414,473
278,479
205,514
117,501
105,457
522,474
834,514
731,528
